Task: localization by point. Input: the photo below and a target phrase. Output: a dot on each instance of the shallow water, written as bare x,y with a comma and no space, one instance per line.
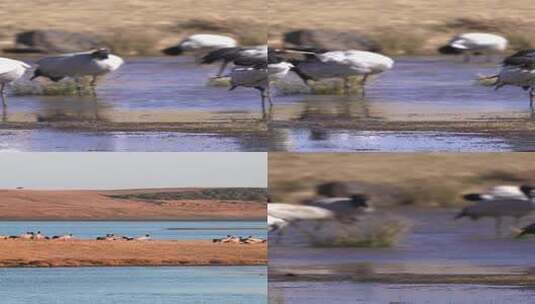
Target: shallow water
133,285
65,141
176,90
435,242
333,140
166,230
373,293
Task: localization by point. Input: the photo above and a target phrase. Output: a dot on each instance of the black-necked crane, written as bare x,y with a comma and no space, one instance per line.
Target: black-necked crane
10,71
239,56
498,192
281,215
529,229
518,70
200,44
345,208
322,64
259,77
77,65
499,207
469,44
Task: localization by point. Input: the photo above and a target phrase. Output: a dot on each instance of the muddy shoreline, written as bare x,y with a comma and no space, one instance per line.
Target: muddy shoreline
492,126
409,278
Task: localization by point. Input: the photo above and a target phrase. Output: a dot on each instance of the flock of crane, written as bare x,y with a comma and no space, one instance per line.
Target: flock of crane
498,202
258,66
30,235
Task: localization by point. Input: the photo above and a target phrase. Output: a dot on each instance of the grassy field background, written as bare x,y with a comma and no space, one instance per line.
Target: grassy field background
137,27
143,27
421,179
408,26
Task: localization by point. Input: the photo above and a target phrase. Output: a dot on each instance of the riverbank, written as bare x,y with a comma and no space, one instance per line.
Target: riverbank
84,253
137,204
521,279
400,27
423,180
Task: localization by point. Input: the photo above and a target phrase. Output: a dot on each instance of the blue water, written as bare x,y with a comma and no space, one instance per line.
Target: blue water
187,230
134,285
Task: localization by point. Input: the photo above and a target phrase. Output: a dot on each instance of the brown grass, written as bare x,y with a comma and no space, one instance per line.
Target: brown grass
402,26
426,179
101,205
407,26
132,27
26,253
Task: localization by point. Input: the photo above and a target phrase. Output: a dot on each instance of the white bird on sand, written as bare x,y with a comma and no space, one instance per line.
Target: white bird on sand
146,237
76,65
200,43
10,70
27,235
63,237
341,64
240,56
259,77
500,207
475,43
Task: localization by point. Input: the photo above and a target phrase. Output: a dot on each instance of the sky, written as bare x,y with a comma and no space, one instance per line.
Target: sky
116,170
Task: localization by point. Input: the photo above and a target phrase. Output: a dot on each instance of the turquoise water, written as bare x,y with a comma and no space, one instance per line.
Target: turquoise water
167,230
134,285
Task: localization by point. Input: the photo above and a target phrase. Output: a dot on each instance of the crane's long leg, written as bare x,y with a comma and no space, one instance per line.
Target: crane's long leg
3,94
94,85
262,91
78,86
531,95
347,86
363,84
222,69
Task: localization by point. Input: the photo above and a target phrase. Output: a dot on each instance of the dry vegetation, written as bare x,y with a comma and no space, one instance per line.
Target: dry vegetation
24,253
407,26
145,204
138,27
430,179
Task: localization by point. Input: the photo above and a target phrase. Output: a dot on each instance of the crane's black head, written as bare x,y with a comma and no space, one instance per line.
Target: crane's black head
528,190
359,200
449,50
101,54
473,197
173,51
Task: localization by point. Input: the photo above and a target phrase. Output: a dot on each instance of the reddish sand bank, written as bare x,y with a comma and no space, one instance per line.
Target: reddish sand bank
26,253
98,205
